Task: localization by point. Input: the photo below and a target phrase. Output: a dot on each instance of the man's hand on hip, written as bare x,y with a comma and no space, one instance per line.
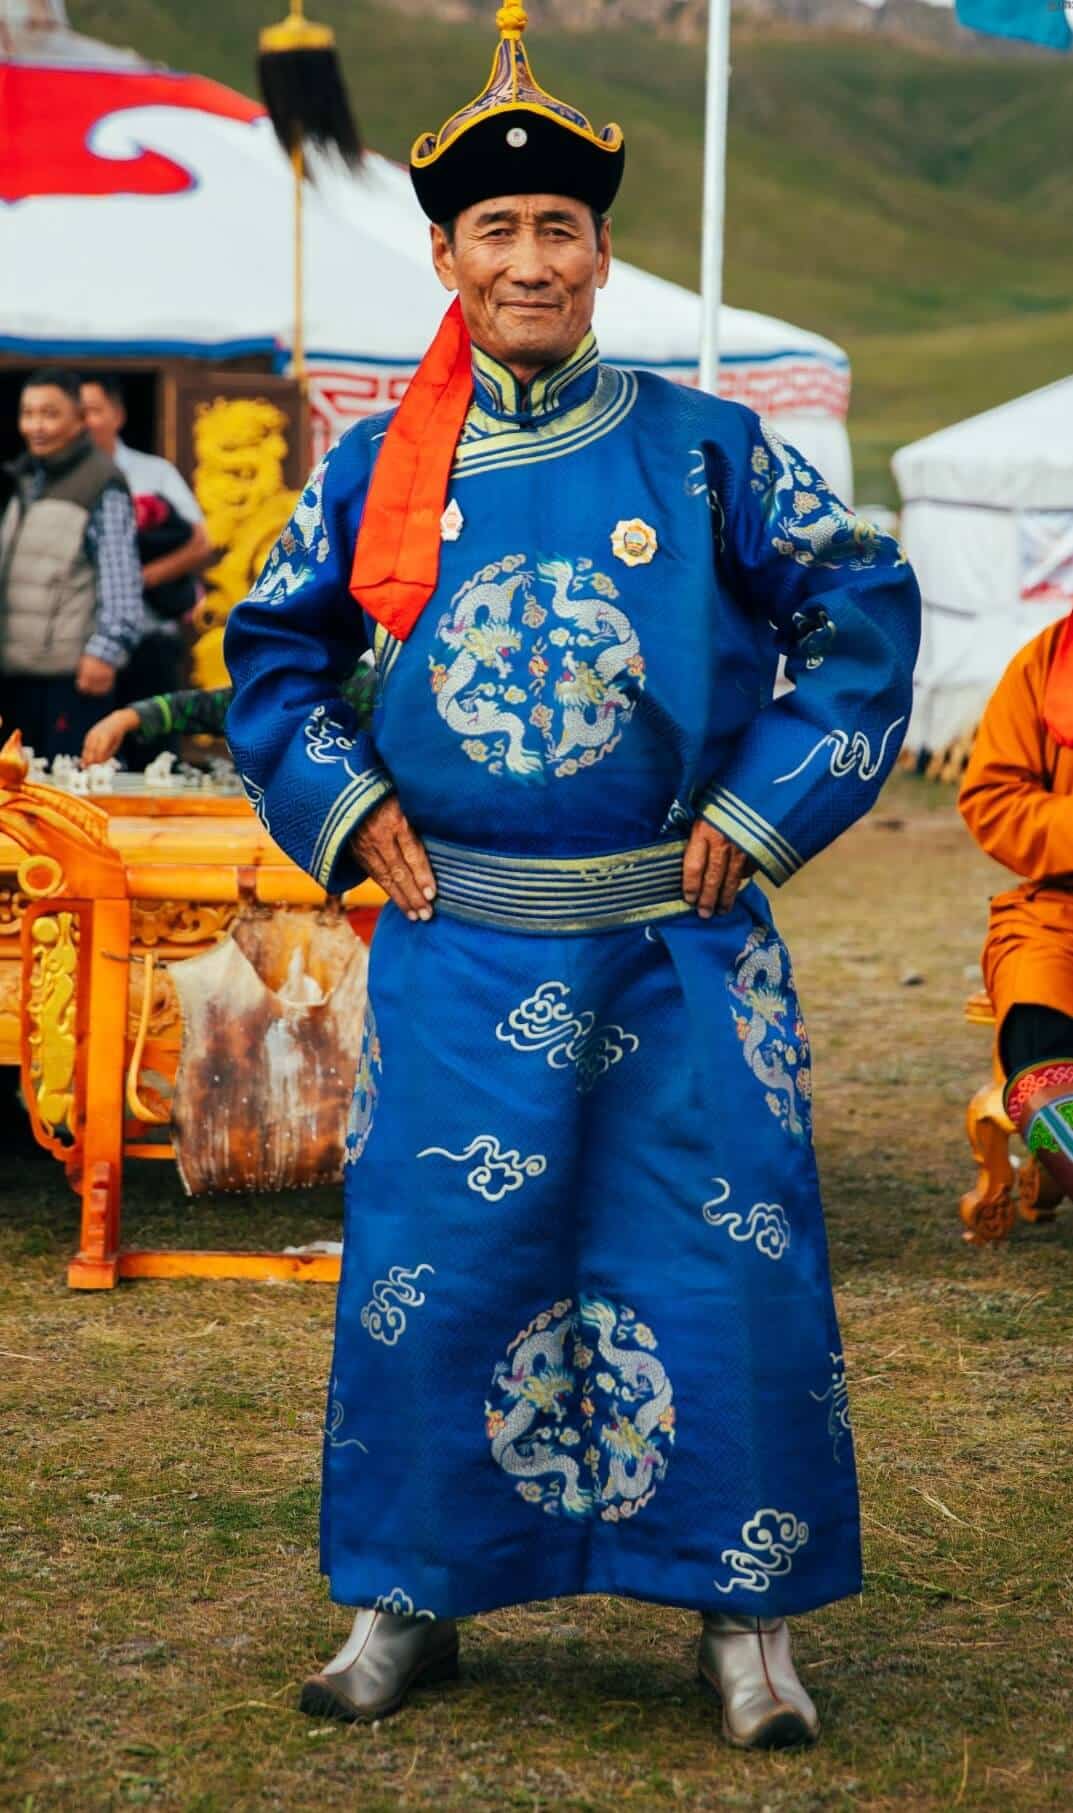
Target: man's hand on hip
394,857
94,676
713,871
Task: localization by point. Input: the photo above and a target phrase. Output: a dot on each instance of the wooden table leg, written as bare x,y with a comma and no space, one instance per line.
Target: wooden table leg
1038,1196
989,1210
105,980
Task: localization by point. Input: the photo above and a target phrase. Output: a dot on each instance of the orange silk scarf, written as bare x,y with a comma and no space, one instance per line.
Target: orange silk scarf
397,556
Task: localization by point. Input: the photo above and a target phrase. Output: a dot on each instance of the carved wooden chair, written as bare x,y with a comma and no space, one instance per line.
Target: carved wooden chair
1006,1186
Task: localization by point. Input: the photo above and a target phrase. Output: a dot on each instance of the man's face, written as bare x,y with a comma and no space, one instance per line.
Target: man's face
527,269
49,420
104,418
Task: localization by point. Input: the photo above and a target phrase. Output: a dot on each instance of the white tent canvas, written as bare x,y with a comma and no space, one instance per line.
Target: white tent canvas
987,521
147,213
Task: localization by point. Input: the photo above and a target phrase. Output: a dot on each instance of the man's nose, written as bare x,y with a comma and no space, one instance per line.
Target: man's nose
529,264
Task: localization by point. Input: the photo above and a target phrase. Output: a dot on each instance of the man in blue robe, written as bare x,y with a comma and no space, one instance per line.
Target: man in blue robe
586,1340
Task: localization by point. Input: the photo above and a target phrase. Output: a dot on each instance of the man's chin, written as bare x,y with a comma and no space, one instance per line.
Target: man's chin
536,344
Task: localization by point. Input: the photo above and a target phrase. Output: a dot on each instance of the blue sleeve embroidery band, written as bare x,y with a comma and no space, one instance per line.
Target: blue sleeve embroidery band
348,812
725,812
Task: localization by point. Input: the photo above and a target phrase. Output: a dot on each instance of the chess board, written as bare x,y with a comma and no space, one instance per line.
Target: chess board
188,788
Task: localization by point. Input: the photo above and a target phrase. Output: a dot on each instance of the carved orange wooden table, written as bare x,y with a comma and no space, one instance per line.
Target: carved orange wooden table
93,893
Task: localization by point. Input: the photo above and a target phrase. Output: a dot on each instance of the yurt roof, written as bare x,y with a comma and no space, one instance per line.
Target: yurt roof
1016,456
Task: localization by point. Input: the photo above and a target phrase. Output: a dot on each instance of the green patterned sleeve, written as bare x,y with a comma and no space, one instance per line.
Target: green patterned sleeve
198,712
203,712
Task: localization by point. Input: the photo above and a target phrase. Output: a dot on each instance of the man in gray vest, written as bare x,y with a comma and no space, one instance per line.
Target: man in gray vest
71,605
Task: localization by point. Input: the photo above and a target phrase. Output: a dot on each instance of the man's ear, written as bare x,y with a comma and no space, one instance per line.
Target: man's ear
603,255
443,258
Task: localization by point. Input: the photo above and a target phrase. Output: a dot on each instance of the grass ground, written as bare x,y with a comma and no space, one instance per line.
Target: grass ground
160,1449
914,206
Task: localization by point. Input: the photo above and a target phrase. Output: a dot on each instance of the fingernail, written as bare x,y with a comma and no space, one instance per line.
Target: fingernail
426,914
692,898
705,912
430,893
412,916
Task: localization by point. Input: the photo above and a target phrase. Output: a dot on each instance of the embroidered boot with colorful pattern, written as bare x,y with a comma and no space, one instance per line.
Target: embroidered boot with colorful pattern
1039,1102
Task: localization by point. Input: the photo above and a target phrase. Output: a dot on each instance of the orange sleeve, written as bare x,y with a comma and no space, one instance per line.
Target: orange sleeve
1006,798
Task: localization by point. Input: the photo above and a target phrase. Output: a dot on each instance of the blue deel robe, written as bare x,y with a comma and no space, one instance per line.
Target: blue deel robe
586,1341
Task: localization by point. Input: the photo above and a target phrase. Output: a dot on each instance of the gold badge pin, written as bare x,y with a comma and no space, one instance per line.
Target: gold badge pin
634,542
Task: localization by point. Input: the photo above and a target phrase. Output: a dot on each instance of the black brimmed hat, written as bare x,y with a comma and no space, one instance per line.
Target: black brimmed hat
515,139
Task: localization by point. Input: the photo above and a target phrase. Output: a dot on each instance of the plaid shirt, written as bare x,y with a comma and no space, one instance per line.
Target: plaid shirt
111,543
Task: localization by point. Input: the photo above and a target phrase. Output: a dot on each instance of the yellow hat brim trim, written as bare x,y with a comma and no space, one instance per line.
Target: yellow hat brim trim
422,161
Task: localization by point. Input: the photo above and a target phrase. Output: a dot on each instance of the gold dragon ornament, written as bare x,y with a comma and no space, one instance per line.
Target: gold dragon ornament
240,447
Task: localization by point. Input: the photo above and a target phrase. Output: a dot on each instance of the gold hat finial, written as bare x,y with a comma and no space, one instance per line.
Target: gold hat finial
512,19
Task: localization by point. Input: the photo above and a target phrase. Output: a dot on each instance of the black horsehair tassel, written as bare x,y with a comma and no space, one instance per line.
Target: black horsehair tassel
303,88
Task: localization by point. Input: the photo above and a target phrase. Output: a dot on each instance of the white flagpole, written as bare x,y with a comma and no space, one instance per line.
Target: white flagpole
715,158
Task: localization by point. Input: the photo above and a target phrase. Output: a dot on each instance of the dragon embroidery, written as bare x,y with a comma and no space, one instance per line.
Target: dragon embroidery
769,1024
584,1418
556,698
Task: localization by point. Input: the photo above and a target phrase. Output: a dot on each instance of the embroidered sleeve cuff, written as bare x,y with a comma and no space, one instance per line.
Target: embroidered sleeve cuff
332,864
776,858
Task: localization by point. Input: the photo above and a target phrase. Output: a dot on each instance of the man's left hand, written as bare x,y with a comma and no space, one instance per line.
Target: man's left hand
713,871
94,677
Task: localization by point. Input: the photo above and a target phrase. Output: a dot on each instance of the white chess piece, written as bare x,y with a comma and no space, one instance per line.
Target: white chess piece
102,775
160,773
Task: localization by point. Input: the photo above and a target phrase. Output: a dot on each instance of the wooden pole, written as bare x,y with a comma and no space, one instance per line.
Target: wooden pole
298,348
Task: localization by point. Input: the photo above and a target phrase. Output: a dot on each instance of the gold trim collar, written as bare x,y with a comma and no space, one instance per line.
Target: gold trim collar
500,395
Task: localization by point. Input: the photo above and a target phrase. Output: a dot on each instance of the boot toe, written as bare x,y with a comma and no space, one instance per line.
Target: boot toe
378,1681
781,1728
321,1700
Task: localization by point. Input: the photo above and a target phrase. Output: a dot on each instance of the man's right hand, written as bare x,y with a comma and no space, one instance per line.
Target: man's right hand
394,857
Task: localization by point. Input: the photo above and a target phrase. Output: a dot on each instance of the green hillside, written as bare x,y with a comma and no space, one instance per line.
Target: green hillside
914,206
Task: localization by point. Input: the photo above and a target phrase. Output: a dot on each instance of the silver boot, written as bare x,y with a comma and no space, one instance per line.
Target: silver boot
749,1664
382,1659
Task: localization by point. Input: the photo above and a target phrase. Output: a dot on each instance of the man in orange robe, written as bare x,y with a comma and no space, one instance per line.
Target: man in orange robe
1017,800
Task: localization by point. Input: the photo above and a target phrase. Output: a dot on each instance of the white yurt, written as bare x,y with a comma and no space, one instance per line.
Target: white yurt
145,214
987,521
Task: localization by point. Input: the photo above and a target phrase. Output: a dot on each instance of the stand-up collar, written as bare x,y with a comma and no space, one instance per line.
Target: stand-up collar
551,393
